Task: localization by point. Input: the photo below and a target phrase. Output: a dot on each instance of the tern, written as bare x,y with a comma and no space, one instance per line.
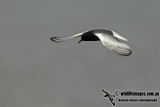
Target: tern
109,96
109,39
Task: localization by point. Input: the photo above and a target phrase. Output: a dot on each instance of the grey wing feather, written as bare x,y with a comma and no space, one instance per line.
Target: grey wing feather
114,45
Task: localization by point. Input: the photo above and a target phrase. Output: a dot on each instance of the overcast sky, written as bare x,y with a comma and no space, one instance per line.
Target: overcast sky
35,72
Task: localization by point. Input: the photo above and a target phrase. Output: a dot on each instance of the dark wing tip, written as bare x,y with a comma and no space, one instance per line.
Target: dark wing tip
103,90
114,103
56,39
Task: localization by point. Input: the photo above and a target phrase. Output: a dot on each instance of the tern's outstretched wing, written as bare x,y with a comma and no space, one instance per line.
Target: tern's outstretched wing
113,44
111,99
58,39
104,91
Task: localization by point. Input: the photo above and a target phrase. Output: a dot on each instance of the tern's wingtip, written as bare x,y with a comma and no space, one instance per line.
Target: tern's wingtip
56,39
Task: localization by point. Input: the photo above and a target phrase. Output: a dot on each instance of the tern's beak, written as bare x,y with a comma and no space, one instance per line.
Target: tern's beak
80,41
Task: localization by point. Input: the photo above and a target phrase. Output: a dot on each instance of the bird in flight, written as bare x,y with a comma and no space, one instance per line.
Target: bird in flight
109,39
109,96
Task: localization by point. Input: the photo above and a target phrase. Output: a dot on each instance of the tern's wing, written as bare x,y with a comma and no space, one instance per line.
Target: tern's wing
114,45
58,39
111,98
112,101
104,91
